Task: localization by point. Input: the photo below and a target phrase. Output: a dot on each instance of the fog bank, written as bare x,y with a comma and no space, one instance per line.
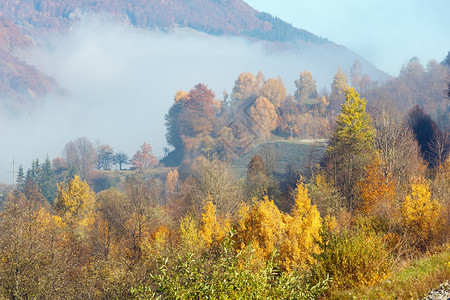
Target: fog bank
120,82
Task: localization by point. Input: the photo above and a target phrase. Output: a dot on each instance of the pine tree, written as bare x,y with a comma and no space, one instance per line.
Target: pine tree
20,179
47,181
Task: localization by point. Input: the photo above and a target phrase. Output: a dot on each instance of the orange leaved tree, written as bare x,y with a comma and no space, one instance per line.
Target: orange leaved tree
144,158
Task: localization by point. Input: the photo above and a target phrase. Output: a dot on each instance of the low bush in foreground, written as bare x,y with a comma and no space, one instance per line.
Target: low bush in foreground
228,275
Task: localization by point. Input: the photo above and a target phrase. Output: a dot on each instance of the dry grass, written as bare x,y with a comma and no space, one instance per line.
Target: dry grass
409,279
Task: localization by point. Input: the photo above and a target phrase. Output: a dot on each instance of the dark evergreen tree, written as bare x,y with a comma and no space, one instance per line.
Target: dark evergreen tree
425,130
47,181
20,179
71,174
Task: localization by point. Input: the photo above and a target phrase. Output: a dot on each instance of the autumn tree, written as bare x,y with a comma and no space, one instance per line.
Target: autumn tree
142,211
303,226
338,88
397,147
440,148
259,182
172,182
262,227
421,214
213,180
59,165
256,168
105,156
274,90
325,195
244,88
32,193
36,257
189,235
81,155
289,118
356,75
144,158
305,88
264,117
266,229
191,117
111,206
75,204
350,148
214,228
377,192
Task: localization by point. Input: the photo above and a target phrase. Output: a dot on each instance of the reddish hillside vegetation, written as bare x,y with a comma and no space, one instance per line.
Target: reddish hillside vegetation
18,80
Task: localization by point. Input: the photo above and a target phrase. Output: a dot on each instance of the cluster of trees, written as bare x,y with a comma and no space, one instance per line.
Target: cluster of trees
82,156
259,108
198,123
418,85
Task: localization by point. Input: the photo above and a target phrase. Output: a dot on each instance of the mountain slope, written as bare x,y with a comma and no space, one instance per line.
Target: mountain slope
18,80
37,18
217,17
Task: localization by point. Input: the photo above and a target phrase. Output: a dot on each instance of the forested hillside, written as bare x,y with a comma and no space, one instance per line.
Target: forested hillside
44,19
214,17
17,78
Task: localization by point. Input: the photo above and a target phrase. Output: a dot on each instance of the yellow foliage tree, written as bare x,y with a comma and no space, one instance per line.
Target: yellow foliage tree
189,234
274,90
266,229
338,88
213,229
421,214
244,87
350,148
262,227
180,95
171,183
156,244
264,117
302,232
75,203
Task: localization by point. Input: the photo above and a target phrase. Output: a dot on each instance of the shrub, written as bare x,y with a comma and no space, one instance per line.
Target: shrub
224,276
421,214
352,258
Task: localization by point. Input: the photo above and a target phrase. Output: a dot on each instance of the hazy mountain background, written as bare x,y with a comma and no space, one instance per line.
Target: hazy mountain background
39,19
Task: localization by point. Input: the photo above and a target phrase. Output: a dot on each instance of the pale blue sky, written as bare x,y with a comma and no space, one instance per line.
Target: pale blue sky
386,32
